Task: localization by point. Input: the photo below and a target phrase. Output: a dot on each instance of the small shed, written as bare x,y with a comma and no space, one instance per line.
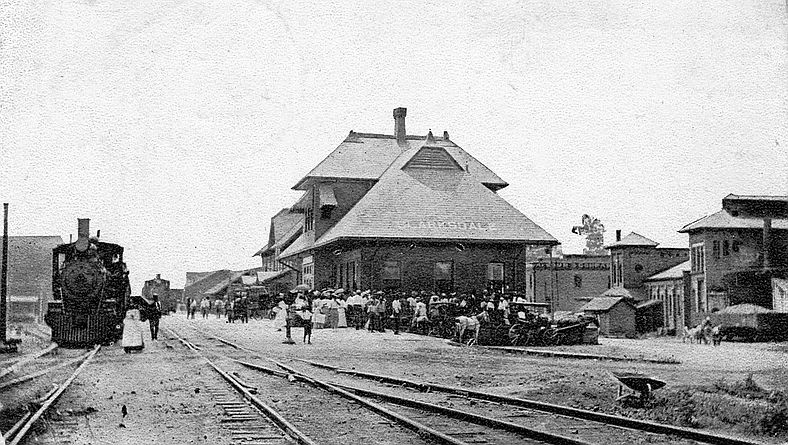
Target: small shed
616,315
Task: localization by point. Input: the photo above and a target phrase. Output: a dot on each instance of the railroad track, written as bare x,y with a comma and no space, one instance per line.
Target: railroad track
248,419
19,431
567,421
458,418
428,425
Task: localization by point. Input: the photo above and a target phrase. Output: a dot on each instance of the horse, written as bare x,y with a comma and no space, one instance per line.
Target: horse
700,333
463,323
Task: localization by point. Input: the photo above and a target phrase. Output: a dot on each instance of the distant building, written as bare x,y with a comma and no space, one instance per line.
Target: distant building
737,252
156,286
286,228
405,212
169,300
568,282
633,260
30,276
671,288
199,283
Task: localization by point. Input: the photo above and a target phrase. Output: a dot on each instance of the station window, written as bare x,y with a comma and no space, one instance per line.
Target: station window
735,245
715,249
309,223
698,259
578,281
726,248
444,276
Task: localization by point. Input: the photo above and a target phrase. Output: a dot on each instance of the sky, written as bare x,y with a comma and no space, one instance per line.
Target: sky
179,127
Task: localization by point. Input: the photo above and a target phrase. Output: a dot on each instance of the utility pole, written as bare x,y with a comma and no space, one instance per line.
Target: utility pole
5,345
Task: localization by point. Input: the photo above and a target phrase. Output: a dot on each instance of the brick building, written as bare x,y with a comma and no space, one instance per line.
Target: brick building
737,252
634,258
408,212
567,282
30,276
671,287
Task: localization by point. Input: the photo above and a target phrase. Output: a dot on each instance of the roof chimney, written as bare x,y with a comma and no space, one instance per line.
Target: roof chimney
158,276
430,140
399,124
618,235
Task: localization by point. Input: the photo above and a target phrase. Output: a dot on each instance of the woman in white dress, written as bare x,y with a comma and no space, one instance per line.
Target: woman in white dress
341,312
280,321
132,332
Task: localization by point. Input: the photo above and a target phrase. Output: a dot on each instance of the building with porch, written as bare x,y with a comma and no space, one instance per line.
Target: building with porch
404,212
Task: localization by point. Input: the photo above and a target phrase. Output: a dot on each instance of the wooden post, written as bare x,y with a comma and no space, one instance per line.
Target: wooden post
4,277
5,345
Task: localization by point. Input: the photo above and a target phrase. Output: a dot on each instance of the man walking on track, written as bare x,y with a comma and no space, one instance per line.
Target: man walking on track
154,316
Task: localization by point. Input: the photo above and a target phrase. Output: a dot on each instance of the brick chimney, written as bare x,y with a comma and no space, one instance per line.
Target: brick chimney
399,124
618,235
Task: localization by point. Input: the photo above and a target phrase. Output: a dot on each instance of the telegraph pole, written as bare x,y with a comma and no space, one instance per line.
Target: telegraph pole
5,346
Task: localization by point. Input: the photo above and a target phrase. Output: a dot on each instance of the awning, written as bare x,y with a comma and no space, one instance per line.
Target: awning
327,197
304,202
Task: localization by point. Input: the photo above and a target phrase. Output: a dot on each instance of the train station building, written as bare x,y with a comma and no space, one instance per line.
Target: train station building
404,212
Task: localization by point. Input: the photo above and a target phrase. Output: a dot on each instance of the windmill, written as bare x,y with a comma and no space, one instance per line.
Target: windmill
594,231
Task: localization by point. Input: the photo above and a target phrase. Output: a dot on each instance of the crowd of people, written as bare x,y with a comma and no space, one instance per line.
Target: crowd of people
371,310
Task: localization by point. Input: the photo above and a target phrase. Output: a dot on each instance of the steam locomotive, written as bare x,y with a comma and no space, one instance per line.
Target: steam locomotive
90,287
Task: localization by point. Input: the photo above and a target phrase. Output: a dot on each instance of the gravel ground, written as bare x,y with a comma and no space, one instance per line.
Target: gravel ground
580,383
158,385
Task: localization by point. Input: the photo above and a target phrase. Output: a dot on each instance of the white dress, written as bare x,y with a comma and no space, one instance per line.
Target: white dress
132,331
280,321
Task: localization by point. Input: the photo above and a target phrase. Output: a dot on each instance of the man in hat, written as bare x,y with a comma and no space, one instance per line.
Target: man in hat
154,314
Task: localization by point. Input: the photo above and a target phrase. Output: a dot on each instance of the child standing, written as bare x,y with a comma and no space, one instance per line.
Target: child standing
307,316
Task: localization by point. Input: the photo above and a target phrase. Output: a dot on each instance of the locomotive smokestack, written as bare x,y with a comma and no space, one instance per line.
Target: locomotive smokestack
83,228
83,234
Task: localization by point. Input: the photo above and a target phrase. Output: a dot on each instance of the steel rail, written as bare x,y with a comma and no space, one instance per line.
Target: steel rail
418,427
52,399
466,416
26,359
348,392
33,375
283,424
626,422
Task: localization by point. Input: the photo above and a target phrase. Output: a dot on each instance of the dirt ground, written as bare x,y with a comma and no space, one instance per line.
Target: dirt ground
163,388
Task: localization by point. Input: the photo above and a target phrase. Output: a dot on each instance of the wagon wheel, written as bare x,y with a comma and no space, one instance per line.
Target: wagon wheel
515,334
551,337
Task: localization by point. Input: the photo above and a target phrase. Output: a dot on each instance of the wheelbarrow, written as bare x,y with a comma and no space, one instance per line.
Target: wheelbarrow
638,383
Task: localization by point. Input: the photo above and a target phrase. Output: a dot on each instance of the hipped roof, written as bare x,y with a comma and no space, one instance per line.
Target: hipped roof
366,156
634,239
434,204
672,273
724,220
602,304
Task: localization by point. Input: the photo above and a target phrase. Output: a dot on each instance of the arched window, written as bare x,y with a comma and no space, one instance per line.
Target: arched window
578,281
